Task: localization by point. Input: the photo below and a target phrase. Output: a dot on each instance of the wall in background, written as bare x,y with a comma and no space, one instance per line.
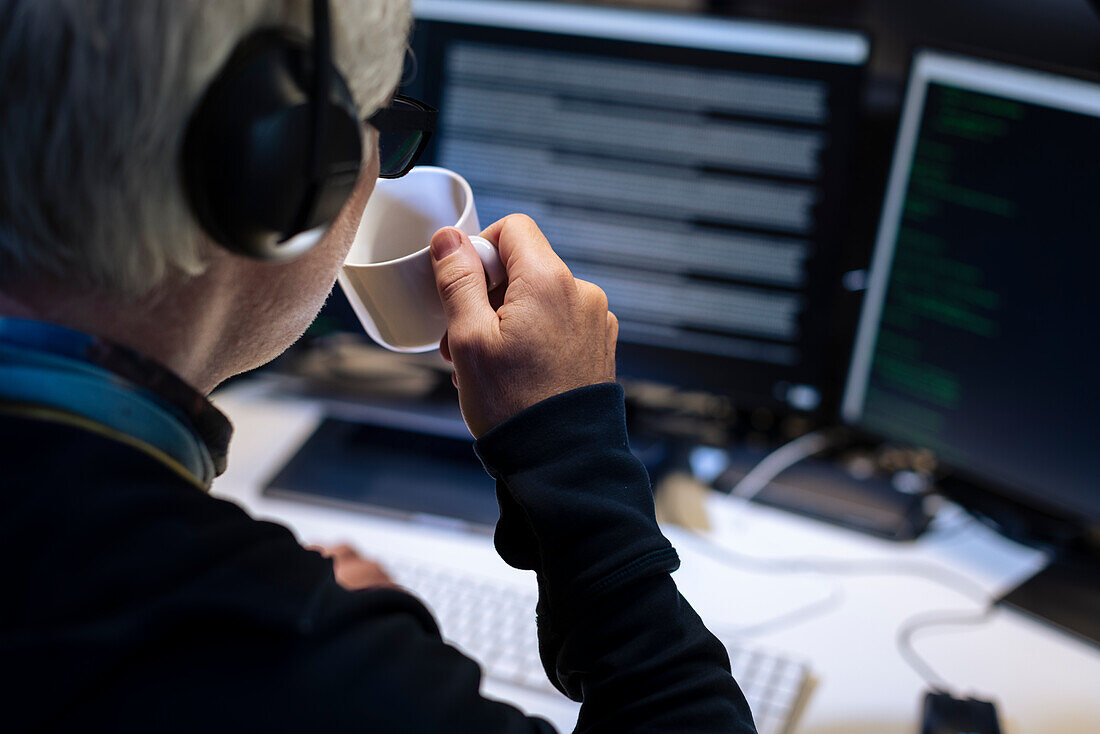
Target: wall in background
1064,32
1059,32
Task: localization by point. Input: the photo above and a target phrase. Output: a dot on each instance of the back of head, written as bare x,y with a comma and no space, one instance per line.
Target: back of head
93,108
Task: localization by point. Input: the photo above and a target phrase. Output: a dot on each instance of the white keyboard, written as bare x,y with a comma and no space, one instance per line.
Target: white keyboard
494,623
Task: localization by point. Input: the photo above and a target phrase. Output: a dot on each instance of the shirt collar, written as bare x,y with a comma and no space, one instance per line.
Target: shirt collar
209,424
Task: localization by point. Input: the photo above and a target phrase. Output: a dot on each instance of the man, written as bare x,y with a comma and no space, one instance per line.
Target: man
134,599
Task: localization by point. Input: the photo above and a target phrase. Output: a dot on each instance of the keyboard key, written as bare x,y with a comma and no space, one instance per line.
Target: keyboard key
494,623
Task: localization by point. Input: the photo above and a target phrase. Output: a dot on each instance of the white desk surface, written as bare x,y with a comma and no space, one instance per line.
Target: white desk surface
1042,680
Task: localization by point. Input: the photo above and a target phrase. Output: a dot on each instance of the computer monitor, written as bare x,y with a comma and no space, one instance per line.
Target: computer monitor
696,168
978,335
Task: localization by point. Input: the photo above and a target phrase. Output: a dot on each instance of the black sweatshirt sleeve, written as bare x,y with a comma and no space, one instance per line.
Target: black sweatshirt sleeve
614,633
148,604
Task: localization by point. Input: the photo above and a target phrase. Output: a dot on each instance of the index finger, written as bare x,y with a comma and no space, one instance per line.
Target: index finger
521,243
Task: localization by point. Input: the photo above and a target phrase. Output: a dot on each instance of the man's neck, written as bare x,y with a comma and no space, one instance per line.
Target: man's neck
151,325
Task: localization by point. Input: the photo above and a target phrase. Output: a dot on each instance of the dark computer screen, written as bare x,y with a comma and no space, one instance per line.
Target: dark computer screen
695,168
979,336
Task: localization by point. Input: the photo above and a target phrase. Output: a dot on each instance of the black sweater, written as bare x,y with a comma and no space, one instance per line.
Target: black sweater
134,601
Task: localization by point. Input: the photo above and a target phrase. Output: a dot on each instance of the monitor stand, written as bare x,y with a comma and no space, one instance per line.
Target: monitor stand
1065,594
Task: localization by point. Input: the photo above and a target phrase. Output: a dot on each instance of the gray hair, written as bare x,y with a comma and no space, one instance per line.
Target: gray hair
94,100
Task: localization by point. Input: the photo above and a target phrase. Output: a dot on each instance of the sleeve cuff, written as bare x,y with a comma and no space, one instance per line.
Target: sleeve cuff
576,505
585,417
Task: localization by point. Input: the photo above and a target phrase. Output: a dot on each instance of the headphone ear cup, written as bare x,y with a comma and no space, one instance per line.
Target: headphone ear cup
341,158
247,156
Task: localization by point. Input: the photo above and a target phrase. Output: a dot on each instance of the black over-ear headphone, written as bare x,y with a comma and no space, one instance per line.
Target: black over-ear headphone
273,149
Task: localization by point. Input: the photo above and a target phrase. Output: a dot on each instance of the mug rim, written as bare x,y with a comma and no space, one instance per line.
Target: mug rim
466,190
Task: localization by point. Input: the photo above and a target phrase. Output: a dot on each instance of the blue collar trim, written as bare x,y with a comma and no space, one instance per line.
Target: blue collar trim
46,365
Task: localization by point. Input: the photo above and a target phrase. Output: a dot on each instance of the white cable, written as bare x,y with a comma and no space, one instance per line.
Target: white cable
930,571
793,617
784,457
920,622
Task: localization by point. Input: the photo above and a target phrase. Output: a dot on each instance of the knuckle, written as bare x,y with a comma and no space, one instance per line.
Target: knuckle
520,221
522,231
551,278
599,298
594,296
562,279
455,284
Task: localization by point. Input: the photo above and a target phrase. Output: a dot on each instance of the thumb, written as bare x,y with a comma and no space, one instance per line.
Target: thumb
460,280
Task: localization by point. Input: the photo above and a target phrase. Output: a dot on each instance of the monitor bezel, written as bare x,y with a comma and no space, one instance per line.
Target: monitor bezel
708,35
849,46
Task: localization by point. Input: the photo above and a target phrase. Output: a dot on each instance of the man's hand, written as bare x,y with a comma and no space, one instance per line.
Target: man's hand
551,332
354,572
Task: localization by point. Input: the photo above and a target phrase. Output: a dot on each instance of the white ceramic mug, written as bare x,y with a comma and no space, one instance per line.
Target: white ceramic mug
388,276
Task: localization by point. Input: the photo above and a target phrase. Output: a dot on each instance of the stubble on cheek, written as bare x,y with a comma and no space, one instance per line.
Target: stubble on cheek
306,283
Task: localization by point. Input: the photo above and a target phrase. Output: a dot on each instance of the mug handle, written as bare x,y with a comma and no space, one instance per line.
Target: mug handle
490,259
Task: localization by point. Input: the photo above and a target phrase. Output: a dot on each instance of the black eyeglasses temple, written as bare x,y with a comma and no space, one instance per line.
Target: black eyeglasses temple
390,119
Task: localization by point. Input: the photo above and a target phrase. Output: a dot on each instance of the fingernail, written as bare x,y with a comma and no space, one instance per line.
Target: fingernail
446,243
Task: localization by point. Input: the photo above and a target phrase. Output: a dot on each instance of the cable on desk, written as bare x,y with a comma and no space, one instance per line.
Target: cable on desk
844,567
763,474
927,620
778,461
798,615
816,608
